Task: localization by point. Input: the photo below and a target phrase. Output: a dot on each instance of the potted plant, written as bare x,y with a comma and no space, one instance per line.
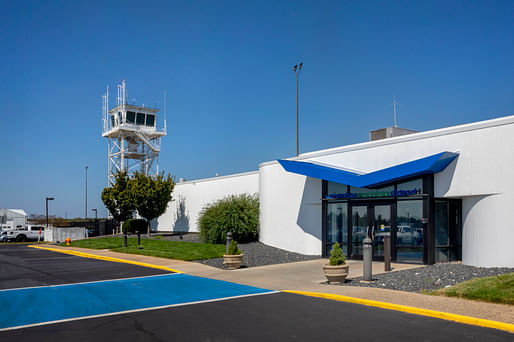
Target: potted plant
232,260
336,270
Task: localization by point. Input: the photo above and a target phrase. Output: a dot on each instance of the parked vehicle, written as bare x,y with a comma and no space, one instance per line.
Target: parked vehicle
405,235
3,236
31,232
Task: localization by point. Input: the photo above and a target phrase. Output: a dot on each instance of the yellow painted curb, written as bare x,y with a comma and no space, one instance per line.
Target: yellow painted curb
99,257
417,311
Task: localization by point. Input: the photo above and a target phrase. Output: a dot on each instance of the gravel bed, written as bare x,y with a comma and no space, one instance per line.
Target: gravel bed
254,253
431,277
258,254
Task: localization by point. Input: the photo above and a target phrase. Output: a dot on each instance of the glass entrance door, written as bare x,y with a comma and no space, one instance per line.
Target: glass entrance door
381,228
373,221
360,228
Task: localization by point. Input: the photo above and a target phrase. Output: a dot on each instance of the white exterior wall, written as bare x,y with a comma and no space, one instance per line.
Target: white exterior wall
290,210
481,176
14,218
190,197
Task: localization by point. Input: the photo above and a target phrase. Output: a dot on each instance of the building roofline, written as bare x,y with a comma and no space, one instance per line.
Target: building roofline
219,177
129,106
506,120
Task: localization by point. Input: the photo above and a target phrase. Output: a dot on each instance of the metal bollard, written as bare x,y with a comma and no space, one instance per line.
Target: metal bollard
367,250
229,240
387,253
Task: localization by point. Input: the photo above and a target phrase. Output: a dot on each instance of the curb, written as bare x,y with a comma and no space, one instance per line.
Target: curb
98,257
412,310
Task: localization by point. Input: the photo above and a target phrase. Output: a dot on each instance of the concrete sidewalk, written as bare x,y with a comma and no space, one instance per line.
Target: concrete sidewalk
308,276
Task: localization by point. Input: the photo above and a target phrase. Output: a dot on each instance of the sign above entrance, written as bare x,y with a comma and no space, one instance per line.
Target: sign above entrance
375,194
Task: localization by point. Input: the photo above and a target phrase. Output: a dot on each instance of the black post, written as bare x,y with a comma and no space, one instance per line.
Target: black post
125,240
138,238
47,199
86,193
387,253
297,69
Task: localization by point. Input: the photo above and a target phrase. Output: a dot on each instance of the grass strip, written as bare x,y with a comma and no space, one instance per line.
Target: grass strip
496,289
179,250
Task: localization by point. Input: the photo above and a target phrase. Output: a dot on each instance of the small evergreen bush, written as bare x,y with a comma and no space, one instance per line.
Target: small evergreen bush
233,249
238,214
336,255
133,226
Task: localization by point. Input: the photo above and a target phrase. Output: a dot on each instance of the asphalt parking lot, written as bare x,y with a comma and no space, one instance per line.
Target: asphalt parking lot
58,297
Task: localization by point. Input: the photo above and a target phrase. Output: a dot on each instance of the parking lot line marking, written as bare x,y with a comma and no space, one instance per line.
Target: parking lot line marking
88,282
99,257
412,310
71,301
138,310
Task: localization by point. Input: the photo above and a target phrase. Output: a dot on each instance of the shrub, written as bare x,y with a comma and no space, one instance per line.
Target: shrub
233,249
133,226
238,214
336,255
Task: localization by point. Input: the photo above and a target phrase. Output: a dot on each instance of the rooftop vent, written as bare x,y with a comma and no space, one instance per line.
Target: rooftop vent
389,132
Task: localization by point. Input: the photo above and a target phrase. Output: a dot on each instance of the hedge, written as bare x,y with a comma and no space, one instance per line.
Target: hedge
238,214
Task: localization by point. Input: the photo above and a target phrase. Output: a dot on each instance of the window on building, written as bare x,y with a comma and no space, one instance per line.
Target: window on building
140,119
336,188
150,119
337,226
112,121
411,185
131,117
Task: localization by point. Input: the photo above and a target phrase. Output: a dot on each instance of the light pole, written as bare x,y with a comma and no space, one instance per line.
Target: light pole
297,69
96,216
86,193
47,199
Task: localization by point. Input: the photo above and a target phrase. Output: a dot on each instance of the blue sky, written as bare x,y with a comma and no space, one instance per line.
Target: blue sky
231,92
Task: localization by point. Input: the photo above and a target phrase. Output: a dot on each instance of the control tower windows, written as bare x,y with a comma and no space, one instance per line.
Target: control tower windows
112,121
150,119
140,119
131,117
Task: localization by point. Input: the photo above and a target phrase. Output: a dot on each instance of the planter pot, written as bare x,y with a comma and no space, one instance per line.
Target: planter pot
336,274
232,262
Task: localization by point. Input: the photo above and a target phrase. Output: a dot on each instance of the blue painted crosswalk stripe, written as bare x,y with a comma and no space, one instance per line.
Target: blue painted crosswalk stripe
25,307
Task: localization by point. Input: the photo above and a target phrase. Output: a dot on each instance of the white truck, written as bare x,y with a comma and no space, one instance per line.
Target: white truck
31,232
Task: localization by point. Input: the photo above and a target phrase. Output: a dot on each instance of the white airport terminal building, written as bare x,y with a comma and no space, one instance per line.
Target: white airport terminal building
441,195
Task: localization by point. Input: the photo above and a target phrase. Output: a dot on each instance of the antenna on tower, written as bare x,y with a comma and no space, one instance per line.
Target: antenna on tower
395,110
123,97
164,110
105,108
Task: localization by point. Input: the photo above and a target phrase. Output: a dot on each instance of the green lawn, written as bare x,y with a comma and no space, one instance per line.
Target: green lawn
180,250
497,289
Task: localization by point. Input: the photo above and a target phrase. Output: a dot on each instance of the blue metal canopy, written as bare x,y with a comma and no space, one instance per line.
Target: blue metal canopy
431,164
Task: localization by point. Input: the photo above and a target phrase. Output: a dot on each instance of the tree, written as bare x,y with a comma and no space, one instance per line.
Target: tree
152,195
119,199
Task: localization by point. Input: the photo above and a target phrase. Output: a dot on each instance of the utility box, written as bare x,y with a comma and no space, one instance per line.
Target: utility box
389,132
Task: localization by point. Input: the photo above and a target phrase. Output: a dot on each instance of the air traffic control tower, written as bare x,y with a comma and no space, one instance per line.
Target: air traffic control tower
134,141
